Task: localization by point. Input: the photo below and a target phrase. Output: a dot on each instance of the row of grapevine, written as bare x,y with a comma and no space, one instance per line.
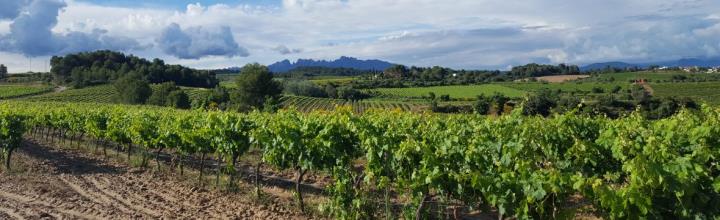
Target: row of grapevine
11,91
308,104
101,94
518,166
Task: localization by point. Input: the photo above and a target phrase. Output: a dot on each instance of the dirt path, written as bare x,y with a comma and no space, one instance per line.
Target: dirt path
56,184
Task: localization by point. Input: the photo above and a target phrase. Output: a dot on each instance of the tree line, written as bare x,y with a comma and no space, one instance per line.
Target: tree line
98,67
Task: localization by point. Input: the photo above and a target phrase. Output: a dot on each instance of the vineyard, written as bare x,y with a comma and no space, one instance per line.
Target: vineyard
98,94
15,91
704,91
307,104
396,164
462,91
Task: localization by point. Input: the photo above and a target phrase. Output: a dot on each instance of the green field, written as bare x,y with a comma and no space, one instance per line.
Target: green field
469,91
702,91
15,90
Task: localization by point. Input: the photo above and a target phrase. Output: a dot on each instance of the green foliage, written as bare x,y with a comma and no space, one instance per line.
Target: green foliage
304,88
524,167
161,93
88,68
535,70
178,99
254,85
15,91
396,71
132,89
468,91
482,105
12,128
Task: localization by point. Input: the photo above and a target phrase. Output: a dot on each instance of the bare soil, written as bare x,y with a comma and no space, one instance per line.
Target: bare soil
561,78
47,183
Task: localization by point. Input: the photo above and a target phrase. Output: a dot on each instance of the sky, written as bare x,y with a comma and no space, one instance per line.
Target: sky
463,34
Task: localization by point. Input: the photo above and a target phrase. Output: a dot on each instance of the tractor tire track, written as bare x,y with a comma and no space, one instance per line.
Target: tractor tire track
54,207
141,202
97,197
10,211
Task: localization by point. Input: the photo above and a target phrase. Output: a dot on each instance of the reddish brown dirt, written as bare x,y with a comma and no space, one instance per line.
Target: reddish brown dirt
46,183
561,78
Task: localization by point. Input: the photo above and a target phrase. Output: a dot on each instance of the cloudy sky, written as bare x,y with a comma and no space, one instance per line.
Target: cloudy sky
471,34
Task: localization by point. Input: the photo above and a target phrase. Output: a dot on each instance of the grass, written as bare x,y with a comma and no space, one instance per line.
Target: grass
702,91
15,90
466,91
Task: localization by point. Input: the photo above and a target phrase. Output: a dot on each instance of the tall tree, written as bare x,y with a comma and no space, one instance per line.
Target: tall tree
255,85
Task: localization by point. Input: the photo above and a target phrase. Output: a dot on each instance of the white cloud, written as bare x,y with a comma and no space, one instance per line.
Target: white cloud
461,34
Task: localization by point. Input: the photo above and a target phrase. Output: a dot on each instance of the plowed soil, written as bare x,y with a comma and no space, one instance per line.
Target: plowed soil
46,183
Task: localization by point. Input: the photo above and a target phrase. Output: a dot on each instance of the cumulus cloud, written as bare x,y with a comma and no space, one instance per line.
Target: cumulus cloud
284,50
467,34
31,34
198,42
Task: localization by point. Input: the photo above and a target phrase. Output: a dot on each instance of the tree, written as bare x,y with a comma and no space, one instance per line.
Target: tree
396,71
331,91
161,94
482,105
255,85
132,89
3,71
539,104
499,100
178,99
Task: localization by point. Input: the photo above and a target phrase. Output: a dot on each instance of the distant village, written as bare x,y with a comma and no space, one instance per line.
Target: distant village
690,69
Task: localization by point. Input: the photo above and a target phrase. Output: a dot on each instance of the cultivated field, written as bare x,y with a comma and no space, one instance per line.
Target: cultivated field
307,104
470,91
703,91
19,90
98,94
561,78
52,183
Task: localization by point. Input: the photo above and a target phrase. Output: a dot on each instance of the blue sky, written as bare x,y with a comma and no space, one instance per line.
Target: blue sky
469,34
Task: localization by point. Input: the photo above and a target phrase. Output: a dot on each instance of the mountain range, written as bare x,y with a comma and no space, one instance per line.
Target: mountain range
342,62
685,62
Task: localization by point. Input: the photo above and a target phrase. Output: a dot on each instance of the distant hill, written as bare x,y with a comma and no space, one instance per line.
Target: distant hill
701,62
342,62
